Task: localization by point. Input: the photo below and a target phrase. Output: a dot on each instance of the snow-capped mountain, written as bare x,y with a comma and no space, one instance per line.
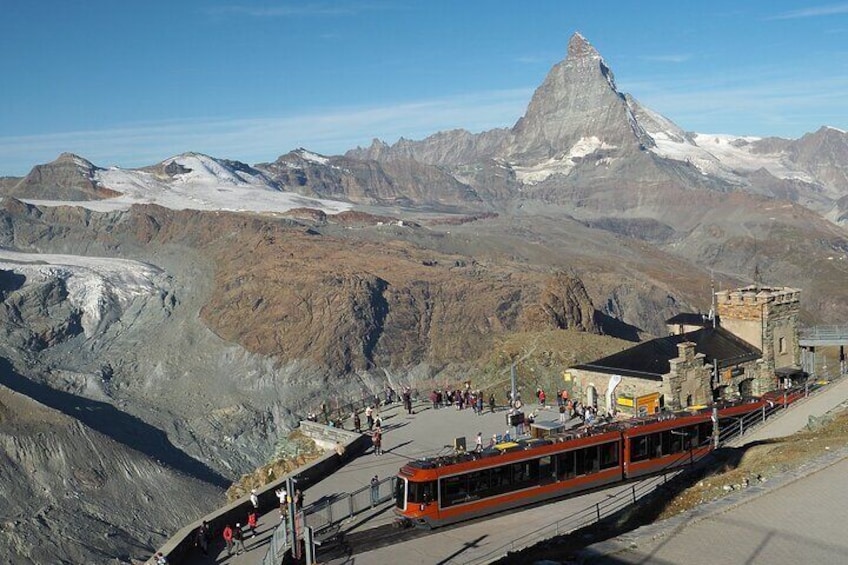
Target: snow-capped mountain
581,144
188,181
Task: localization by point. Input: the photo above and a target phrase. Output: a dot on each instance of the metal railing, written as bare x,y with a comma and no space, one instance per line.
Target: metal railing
824,334
331,510
328,511
278,547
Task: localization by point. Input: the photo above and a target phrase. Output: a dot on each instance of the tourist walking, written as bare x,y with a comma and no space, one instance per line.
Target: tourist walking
377,440
228,538
369,417
254,499
283,497
238,538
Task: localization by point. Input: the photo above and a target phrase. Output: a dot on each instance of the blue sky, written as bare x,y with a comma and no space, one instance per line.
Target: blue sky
131,83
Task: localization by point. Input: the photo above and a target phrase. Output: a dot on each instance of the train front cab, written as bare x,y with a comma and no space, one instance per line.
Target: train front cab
416,500
666,444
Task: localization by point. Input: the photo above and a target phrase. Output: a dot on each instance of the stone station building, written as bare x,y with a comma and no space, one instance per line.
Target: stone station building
738,352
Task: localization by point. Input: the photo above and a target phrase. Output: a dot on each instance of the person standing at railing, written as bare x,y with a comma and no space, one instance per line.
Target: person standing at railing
375,491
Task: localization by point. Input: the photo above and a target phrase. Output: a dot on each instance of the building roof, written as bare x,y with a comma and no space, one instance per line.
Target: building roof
689,319
651,359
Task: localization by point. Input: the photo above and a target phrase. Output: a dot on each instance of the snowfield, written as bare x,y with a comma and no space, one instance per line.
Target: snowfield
561,165
210,184
101,287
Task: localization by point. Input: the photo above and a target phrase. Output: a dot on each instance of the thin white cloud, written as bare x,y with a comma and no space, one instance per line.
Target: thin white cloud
764,102
257,139
672,58
813,12
532,59
295,9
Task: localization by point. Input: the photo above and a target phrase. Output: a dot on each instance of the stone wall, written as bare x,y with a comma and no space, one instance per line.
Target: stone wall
688,380
629,386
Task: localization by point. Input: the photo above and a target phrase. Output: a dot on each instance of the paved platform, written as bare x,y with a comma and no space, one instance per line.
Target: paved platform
426,432
798,517
429,431
799,520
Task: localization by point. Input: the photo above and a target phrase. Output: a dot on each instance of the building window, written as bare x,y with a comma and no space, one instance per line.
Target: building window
781,345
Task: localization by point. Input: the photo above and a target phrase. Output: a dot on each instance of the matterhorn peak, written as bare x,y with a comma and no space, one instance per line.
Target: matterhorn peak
579,46
578,101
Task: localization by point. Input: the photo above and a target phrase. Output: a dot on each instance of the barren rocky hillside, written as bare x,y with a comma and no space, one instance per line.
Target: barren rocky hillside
72,495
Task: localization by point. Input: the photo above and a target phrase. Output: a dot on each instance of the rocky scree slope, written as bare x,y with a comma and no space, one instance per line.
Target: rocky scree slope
72,495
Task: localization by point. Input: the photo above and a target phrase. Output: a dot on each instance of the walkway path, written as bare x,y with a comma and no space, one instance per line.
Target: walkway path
800,520
797,518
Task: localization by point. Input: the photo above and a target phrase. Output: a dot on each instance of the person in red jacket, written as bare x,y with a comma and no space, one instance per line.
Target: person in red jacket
251,523
228,537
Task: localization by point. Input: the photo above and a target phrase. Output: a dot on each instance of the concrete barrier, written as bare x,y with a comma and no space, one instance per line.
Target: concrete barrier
180,545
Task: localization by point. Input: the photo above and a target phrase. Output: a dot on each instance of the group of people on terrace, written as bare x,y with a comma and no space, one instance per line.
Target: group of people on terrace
462,398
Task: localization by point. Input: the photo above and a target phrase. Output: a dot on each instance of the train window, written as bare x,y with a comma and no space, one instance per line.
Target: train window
422,492
524,473
705,433
478,484
672,442
609,455
639,448
591,459
580,462
565,465
546,469
500,479
453,490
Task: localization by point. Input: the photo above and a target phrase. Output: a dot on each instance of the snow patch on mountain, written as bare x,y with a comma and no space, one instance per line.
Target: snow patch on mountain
312,157
561,165
725,156
198,182
202,169
101,288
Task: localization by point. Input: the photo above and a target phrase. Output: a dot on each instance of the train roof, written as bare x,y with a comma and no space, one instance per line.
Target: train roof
578,435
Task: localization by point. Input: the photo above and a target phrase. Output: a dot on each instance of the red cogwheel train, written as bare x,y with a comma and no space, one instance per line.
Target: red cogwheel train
436,491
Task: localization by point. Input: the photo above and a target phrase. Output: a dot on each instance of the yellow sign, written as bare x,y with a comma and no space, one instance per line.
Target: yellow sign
624,401
649,403
566,376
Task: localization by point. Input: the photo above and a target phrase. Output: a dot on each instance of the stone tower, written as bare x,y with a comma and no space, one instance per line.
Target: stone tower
767,318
